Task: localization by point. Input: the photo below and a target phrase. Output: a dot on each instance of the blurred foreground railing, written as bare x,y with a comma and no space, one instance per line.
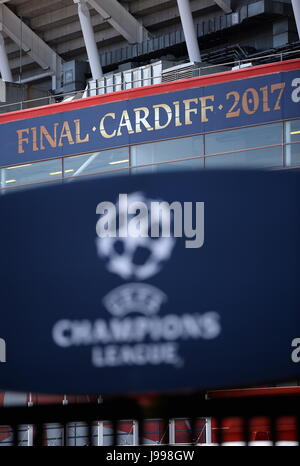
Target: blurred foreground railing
139,410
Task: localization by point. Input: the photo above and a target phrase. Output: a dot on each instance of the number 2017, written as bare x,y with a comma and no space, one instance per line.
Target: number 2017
251,99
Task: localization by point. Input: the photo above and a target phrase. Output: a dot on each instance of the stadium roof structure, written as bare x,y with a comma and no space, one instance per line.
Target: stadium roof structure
38,36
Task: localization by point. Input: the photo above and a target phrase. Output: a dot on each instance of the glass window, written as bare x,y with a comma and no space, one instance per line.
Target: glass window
259,158
49,170
167,150
96,162
190,164
292,131
245,138
88,176
292,154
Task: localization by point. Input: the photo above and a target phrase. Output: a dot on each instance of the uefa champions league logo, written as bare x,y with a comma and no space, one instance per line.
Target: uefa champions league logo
135,241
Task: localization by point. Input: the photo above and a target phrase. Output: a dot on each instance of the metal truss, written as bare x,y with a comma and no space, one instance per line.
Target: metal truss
121,20
30,42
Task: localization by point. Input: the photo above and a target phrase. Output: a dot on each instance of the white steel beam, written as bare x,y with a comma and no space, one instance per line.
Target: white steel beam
225,5
89,39
100,434
189,30
120,19
4,64
30,42
208,430
135,432
296,8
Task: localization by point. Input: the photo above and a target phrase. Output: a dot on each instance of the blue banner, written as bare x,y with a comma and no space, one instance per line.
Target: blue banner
214,305
232,104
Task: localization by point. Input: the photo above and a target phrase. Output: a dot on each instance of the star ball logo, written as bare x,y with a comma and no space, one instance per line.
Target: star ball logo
135,238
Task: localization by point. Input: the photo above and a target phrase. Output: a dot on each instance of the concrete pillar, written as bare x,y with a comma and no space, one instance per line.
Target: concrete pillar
189,30
4,64
89,39
296,8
